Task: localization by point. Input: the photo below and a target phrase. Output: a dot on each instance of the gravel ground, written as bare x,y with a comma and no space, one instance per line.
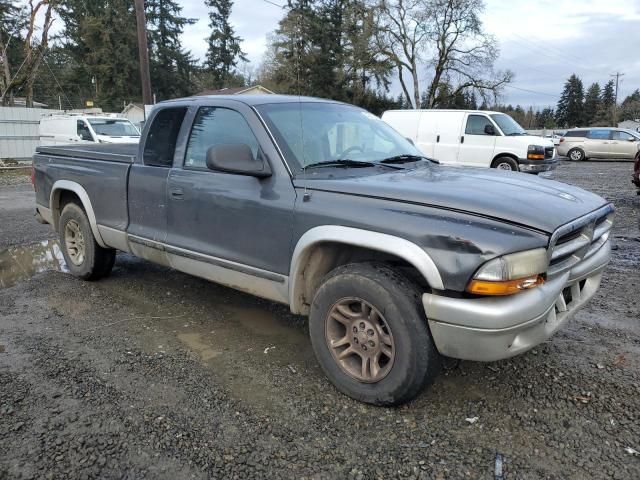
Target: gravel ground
155,374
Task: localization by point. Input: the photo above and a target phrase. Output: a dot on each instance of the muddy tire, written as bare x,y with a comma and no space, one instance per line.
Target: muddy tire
370,335
84,257
576,154
505,163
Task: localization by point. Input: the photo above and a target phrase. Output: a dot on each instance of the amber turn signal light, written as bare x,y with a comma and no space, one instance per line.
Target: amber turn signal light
535,156
505,287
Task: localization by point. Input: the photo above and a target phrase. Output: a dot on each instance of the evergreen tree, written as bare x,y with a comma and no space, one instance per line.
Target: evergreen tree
472,102
224,50
630,107
545,118
101,47
569,112
172,68
592,104
607,104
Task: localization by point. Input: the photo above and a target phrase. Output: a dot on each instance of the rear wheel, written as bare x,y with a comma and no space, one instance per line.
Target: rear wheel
505,163
370,334
576,154
84,257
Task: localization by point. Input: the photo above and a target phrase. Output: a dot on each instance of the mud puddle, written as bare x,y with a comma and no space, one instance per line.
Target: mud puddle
22,262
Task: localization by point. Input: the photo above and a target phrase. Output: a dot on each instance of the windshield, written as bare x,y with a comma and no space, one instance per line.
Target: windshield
507,124
114,128
314,132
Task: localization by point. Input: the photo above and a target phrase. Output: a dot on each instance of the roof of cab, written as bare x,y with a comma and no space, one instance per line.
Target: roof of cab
250,100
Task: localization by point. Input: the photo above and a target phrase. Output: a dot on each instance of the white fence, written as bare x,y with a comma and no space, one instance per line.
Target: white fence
19,135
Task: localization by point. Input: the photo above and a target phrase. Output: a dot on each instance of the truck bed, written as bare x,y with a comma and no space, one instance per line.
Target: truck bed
123,153
102,170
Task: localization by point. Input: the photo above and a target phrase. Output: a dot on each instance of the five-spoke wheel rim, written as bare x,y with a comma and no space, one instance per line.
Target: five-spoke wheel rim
74,242
360,340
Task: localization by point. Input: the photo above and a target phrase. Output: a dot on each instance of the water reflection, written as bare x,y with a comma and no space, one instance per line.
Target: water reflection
22,262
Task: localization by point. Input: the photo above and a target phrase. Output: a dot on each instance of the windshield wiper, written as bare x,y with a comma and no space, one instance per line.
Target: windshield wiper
405,158
340,163
346,163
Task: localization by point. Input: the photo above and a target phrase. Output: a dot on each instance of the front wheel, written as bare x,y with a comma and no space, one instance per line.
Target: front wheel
84,257
370,334
576,154
505,163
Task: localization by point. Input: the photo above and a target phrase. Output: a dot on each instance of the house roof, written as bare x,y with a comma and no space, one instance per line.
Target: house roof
236,91
133,105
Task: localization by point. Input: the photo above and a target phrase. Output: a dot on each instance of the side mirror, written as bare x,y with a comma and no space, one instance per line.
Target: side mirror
489,130
237,158
633,139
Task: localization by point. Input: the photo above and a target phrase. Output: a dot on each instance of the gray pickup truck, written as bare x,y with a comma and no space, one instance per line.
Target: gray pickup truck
323,207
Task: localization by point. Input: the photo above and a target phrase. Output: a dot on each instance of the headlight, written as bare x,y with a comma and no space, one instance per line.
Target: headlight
535,152
510,274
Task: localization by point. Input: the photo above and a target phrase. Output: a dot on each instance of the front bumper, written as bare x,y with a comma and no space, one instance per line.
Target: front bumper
537,166
493,328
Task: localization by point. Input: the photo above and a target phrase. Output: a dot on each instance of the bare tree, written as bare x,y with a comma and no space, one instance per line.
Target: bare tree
402,35
33,51
464,53
445,39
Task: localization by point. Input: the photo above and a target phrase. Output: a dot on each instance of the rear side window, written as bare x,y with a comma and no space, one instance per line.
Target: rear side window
599,134
217,126
160,144
576,133
476,124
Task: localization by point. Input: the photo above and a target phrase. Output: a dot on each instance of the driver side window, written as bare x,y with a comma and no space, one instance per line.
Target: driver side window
217,126
83,131
476,124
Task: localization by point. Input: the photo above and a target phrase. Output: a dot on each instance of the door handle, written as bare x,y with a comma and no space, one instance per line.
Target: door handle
176,193
438,139
462,139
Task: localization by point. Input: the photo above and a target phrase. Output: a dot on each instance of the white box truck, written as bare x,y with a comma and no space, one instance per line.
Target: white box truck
70,128
474,138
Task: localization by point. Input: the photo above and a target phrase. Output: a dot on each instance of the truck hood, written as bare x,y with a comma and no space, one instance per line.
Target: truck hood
512,197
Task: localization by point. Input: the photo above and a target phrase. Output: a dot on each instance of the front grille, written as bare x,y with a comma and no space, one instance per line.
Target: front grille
579,239
548,152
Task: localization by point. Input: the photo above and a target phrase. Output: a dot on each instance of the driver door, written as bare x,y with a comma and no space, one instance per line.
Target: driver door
236,220
476,146
623,145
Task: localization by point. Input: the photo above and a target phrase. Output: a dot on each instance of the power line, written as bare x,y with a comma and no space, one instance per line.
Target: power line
274,3
532,91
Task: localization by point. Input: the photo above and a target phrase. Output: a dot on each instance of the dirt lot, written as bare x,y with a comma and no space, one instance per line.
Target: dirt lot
155,374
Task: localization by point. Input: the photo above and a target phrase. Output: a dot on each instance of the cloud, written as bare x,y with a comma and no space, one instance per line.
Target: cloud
542,42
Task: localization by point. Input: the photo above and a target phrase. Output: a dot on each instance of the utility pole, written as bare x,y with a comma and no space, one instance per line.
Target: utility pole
143,52
615,102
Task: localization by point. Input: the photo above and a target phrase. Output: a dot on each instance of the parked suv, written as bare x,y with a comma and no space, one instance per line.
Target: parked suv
583,143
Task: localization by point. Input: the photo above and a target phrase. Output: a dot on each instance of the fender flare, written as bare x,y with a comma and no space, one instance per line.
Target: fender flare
62,185
382,242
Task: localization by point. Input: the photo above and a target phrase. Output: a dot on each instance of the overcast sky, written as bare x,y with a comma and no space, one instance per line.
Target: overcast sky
541,41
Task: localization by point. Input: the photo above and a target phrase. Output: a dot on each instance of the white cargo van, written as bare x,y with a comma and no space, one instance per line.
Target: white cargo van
69,128
474,138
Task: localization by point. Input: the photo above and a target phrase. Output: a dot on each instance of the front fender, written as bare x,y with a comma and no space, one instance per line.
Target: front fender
381,242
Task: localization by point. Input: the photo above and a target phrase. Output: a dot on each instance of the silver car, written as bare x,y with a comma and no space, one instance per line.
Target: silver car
583,143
